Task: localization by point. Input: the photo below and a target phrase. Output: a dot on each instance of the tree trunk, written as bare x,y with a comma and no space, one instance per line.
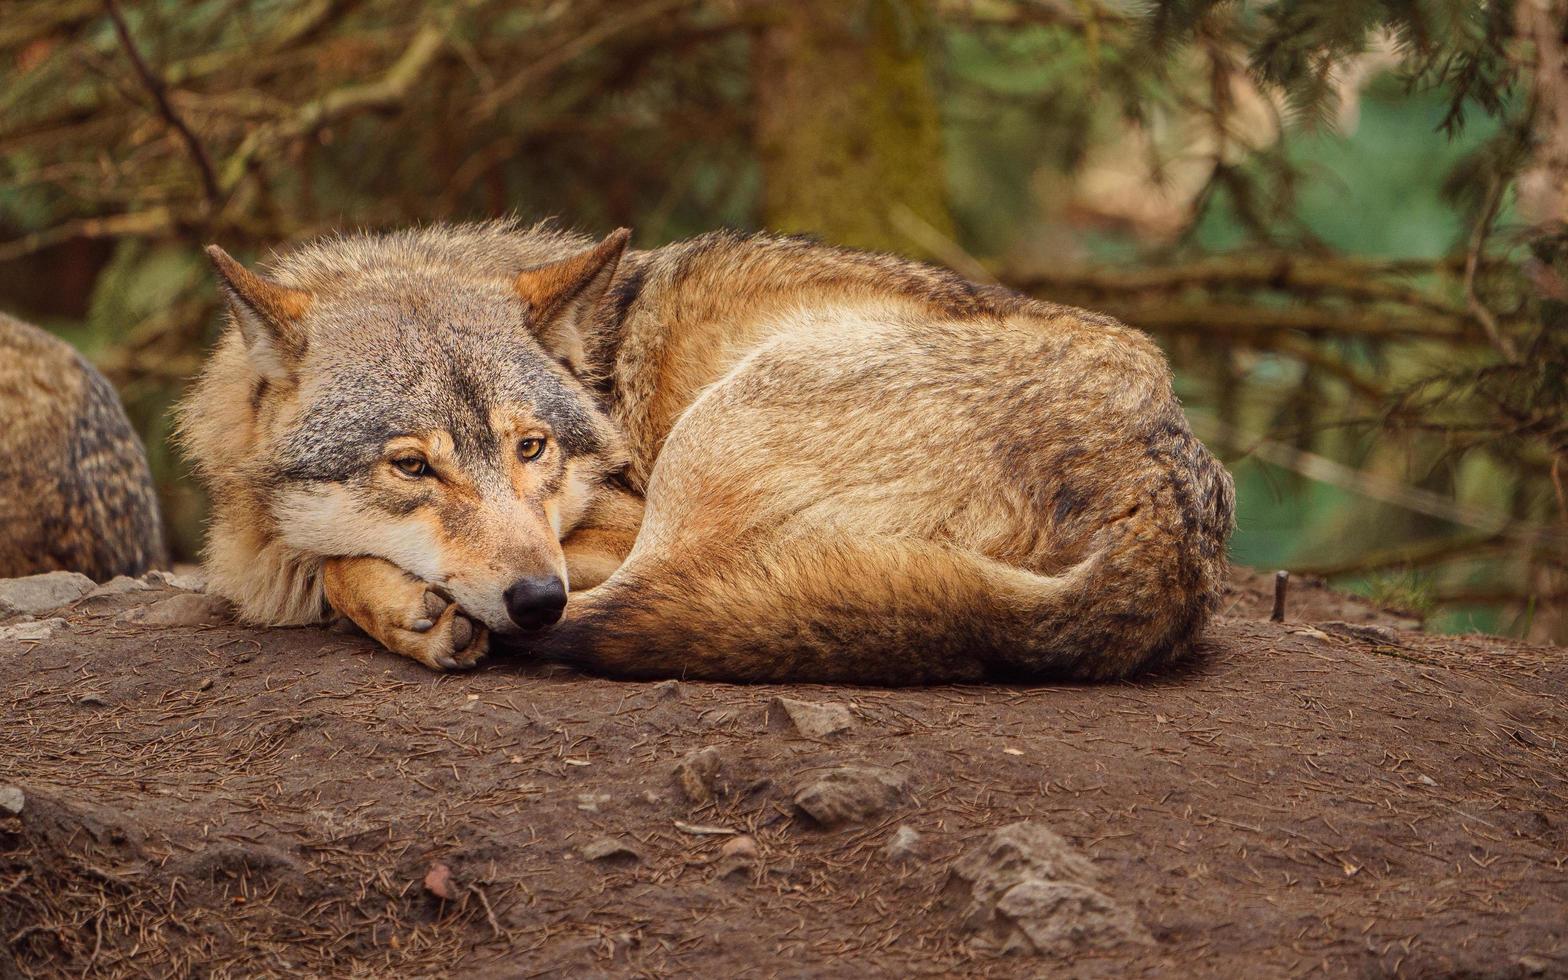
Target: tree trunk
847,129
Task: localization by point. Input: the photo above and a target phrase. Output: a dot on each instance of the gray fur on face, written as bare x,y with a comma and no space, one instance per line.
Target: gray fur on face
473,354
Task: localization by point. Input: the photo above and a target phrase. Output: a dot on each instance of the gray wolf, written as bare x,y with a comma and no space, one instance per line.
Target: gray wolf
739,457
75,491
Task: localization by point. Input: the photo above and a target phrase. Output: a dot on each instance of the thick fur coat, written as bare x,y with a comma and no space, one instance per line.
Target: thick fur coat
854,467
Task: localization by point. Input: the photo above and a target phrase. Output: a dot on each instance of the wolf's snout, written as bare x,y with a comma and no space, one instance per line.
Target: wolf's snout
534,603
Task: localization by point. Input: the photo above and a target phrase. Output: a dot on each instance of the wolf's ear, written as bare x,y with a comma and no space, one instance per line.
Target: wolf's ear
561,294
268,314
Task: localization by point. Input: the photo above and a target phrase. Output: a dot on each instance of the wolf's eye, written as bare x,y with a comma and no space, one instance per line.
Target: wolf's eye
530,448
411,466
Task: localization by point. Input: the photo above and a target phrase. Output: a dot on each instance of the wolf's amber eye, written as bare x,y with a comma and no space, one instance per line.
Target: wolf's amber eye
411,466
530,448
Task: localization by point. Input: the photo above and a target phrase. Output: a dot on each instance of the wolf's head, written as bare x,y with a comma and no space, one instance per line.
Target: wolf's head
413,403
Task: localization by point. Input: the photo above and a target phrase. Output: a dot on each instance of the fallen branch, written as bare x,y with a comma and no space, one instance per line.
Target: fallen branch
1411,556
1325,470
1352,278
1241,321
152,222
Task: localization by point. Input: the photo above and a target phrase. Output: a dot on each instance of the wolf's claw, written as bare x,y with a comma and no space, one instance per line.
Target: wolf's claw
452,642
462,632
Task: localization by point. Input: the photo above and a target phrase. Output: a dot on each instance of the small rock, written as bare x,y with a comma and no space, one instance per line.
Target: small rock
192,609
119,585
850,794
40,593
189,582
809,718
738,858
905,844
591,802
1426,780
38,629
611,849
698,774
12,799
667,691
1532,966
438,881
1025,889
1061,917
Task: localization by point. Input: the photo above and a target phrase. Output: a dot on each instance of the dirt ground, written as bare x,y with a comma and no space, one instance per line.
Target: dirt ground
1302,799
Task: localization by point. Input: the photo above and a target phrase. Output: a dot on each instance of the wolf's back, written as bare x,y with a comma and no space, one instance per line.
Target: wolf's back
896,611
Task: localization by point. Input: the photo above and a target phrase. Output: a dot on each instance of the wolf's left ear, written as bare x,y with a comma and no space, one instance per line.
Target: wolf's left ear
268,314
562,294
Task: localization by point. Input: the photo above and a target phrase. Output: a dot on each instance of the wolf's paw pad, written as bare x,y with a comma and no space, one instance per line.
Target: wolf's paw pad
442,637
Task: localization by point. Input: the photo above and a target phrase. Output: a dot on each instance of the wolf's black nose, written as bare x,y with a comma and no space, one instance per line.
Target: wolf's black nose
534,603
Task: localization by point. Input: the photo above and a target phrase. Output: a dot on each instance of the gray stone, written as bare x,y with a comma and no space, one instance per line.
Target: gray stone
36,629
697,774
40,593
1025,889
12,799
809,718
905,844
188,582
1059,918
611,849
190,609
850,794
119,585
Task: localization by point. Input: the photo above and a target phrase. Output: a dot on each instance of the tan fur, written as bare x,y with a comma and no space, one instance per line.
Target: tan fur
856,468
403,613
75,492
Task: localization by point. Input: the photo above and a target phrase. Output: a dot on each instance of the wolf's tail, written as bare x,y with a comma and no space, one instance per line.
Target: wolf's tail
897,611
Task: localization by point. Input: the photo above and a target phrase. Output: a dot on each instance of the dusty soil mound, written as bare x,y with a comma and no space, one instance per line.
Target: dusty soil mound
213,800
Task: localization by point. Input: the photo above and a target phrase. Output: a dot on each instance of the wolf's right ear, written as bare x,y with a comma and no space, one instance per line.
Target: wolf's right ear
268,314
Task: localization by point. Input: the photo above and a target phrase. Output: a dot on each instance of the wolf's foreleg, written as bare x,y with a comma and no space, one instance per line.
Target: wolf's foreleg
403,613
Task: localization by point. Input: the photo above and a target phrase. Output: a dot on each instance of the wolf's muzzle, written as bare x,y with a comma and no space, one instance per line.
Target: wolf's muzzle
534,603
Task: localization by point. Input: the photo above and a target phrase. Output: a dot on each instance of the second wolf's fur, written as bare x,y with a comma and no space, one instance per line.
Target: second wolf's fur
856,468
75,491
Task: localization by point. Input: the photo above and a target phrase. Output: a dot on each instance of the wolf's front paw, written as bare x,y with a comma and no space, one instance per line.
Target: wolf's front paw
404,613
443,637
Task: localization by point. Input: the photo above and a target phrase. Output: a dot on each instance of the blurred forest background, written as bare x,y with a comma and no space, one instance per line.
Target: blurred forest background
1343,219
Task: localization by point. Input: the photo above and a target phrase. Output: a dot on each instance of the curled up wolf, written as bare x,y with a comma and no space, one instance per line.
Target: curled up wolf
735,457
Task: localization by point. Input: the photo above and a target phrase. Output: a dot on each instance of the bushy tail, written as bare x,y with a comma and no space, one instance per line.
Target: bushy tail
891,611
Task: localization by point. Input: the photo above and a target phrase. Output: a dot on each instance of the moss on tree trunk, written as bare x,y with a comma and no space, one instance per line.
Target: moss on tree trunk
847,129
